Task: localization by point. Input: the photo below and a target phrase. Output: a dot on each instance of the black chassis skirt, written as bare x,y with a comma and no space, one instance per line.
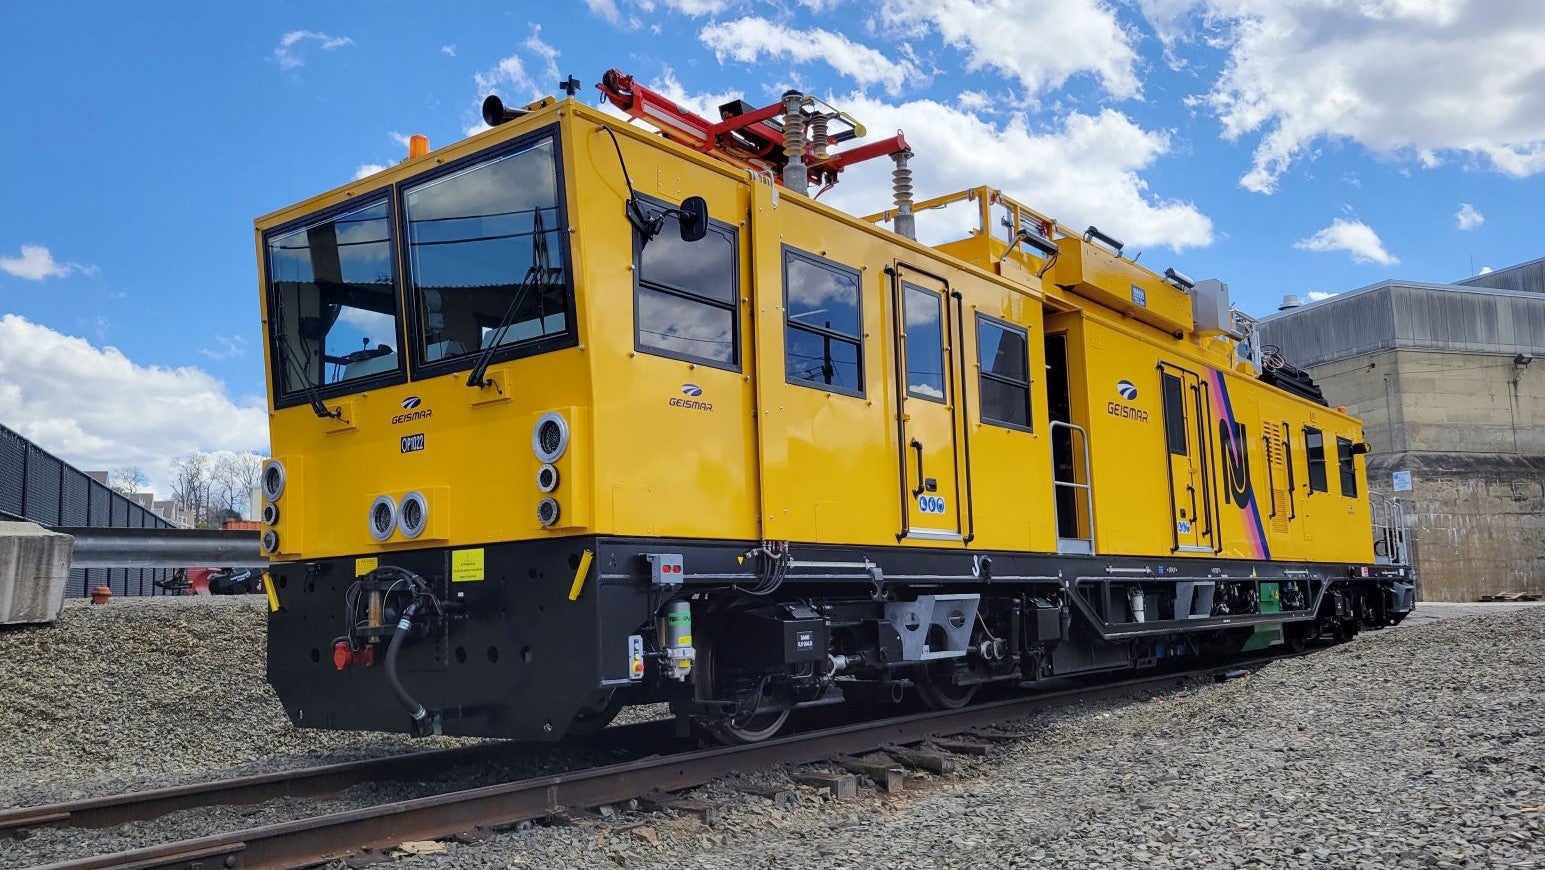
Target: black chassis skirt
518,659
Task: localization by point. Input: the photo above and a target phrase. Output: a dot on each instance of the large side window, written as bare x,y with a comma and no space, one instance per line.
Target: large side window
1348,469
1174,414
823,335
687,301
334,300
1003,353
486,255
1314,449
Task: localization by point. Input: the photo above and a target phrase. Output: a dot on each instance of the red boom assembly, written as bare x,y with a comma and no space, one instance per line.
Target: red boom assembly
762,139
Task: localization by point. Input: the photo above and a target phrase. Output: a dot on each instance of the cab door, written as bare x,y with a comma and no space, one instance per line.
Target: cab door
1188,448
929,399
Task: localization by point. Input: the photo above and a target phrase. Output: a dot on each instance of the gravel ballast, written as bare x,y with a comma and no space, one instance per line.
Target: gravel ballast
1417,747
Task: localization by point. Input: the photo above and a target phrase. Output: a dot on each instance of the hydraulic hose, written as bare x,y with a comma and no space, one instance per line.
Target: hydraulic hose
416,710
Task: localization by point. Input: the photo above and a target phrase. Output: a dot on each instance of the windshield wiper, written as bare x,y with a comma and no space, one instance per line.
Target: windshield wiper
538,273
296,370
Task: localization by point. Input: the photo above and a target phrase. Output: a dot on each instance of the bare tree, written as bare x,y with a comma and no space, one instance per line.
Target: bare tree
128,480
232,477
191,474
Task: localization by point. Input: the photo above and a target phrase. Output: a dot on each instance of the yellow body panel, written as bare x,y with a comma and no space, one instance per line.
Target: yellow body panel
662,447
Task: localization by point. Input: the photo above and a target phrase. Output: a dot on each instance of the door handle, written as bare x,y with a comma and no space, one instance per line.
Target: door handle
918,446
1192,490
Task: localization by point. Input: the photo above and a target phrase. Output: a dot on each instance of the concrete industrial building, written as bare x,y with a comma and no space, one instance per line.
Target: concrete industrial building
1448,381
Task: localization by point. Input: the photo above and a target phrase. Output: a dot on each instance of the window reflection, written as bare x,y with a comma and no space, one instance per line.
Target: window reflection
485,255
823,336
924,344
687,295
334,298
1003,353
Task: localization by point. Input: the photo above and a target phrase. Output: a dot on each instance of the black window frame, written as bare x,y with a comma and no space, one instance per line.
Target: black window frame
409,294
279,362
1176,438
1347,465
792,253
733,307
983,375
906,356
1314,456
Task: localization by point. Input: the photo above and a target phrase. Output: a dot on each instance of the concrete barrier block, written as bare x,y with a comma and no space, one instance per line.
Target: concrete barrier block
34,566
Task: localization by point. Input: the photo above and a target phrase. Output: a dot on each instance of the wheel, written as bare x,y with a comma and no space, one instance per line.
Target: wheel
937,688
594,717
750,729
1295,637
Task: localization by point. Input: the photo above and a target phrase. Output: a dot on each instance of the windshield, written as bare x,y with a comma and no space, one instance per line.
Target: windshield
334,300
485,254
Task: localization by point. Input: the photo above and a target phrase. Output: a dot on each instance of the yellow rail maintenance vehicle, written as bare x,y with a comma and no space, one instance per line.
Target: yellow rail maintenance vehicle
575,414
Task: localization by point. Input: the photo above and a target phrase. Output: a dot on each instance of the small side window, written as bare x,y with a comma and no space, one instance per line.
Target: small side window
687,300
1348,469
1174,415
1003,352
823,334
924,343
1314,448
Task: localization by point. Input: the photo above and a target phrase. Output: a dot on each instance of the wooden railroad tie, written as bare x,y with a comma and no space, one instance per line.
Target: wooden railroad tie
961,747
781,797
841,786
888,777
710,813
933,762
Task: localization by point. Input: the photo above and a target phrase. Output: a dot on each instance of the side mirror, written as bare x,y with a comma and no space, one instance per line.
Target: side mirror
1360,448
693,218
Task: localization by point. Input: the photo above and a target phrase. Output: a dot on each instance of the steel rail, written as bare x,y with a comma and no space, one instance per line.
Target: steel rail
163,548
102,812
306,842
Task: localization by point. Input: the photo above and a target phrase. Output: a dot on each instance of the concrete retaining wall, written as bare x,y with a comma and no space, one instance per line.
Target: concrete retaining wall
34,567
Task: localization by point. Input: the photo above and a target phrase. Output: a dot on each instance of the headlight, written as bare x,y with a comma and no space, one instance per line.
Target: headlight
550,436
412,515
383,517
270,541
270,513
547,478
547,511
273,479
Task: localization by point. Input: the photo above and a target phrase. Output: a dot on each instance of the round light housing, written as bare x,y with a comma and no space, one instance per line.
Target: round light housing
547,511
382,518
547,477
270,513
270,541
412,515
272,477
550,436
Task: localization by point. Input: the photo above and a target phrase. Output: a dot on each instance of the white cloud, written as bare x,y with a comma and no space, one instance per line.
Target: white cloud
96,408
1082,170
1317,295
698,8
508,78
1042,43
228,347
1485,270
368,169
1468,218
1354,237
36,263
747,39
401,139
1419,80
546,52
288,52
607,9
448,50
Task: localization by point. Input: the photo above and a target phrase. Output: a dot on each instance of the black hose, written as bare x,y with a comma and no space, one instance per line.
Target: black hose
416,710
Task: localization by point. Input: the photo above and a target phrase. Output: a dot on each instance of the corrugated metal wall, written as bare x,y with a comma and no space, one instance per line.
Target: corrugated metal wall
1391,315
38,487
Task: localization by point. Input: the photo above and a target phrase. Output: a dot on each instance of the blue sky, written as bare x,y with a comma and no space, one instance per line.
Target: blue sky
1285,146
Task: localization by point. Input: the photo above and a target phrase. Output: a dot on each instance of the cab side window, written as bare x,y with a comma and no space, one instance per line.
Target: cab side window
1348,469
686,301
823,335
1314,449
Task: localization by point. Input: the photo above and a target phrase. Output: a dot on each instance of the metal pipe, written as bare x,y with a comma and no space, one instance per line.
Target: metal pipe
163,548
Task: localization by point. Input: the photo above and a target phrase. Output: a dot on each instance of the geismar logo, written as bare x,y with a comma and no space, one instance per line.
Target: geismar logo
410,404
1127,389
693,391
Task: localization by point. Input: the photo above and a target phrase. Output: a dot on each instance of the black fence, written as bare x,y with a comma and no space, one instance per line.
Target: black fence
36,486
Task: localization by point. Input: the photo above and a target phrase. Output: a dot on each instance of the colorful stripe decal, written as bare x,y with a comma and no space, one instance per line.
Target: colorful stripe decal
1237,486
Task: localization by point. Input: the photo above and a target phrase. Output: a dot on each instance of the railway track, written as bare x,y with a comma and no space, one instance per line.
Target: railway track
309,841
